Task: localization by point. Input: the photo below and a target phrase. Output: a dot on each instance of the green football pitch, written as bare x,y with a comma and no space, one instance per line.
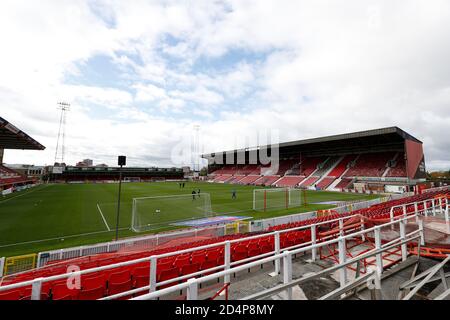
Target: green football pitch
64,215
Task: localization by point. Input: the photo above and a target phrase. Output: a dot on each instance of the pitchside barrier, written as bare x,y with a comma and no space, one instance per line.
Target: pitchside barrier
18,264
151,241
145,243
238,227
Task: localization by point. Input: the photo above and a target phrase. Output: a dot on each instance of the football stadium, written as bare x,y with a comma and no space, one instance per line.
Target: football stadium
347,197
358,203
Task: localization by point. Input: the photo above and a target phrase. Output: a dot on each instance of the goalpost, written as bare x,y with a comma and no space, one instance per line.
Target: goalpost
264,199
149,213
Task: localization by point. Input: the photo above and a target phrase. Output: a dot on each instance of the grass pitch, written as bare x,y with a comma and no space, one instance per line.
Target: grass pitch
65,215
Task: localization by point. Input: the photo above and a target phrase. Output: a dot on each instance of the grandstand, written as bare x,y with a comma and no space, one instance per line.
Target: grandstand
369,161
71,174
13,138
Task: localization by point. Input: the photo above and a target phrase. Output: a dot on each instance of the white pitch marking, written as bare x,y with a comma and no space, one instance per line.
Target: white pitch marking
103,217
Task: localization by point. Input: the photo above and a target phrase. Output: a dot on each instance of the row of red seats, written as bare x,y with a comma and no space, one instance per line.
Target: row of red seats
249,179
266,180
370,165
290,181
342,166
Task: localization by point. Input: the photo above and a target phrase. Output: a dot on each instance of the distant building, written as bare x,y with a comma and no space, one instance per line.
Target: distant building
85,163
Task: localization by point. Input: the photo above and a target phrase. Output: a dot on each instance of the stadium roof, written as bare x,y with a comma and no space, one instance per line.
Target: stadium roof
382,134
14,138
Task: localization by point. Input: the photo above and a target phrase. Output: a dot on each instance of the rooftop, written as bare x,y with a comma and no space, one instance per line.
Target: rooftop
14,138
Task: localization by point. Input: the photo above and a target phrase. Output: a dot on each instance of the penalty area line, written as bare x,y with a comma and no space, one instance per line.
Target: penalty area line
103,217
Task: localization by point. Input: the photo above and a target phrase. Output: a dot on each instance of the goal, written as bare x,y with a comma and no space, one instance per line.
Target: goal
149,213
265,199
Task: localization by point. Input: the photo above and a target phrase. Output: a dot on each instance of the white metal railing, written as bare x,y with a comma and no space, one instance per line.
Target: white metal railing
439,205
193,284
37,283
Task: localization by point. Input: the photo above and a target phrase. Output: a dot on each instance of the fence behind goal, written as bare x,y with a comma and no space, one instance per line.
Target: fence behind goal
149,213
266,199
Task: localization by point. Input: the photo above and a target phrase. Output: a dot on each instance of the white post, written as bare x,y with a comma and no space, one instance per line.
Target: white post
38,263
403,237
342,260
433,207
153,266
363,236
287,271
313,242
404,210
425,208
416,209
227,261
277,251
446,212
391,214
379,258
2,264
341,227
36,289
192,289
422,236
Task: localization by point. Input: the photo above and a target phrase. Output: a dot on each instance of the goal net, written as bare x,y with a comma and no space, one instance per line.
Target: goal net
149,213
279,198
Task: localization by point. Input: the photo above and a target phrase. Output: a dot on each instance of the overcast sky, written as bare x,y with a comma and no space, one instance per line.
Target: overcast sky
140,74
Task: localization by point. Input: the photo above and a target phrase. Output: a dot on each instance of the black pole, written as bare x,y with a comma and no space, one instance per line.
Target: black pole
118,203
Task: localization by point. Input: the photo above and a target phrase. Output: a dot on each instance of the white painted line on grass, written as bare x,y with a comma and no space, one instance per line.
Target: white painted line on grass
103,217
57,238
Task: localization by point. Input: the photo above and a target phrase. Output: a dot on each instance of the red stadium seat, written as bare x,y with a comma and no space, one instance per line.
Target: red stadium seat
10,295
118,287
92,294
199,257
167,275
60,290
120,277
93,282
213,254
189,268
182,261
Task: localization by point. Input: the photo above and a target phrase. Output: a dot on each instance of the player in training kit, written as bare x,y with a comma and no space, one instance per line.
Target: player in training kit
193,194
233,194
